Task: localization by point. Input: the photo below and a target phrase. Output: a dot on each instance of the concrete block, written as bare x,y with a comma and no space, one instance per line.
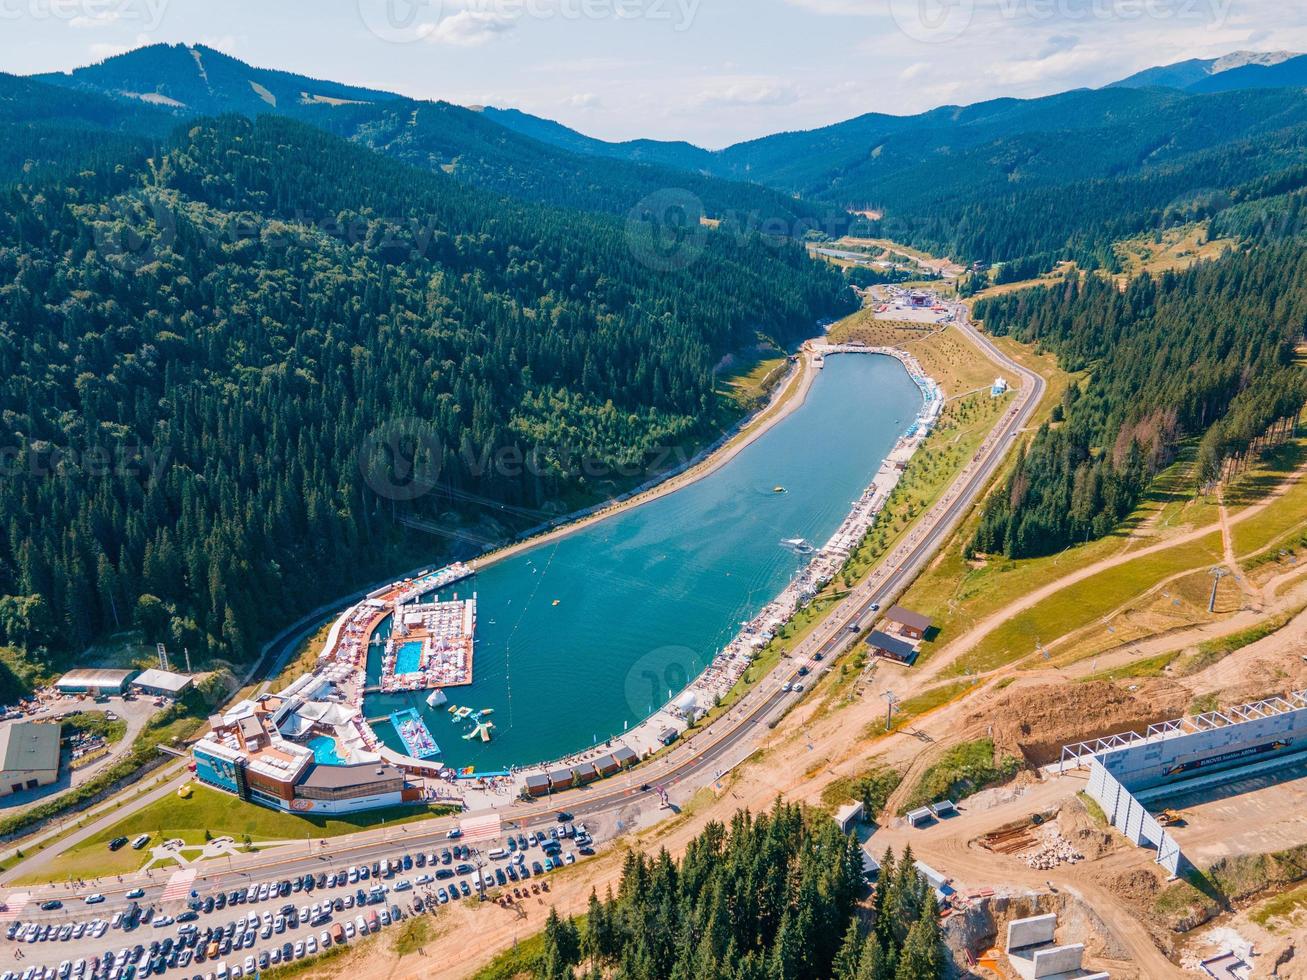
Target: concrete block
1031,932
1059,959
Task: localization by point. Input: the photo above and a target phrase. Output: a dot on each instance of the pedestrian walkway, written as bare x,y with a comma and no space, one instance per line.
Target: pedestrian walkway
179,885
477,830
14,906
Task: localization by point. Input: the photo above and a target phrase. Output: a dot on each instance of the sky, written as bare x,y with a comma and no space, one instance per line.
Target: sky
713,72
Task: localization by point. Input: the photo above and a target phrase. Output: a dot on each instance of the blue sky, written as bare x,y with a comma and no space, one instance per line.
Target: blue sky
709,71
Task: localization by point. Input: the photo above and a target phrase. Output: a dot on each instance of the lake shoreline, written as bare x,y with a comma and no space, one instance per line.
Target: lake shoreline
788,397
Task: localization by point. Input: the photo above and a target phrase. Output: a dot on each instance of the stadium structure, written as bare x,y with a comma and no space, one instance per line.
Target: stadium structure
1128,771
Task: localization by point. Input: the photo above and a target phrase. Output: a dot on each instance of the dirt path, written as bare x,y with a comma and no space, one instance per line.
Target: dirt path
958,648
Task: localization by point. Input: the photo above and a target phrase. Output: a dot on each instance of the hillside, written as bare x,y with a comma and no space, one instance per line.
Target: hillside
1289,73
1188,74
1052,178
48,132
262,323
187,81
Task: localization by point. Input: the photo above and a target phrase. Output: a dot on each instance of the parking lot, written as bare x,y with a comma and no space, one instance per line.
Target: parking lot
236,933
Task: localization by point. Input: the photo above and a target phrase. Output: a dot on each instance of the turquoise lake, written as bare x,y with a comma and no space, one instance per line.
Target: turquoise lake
581,636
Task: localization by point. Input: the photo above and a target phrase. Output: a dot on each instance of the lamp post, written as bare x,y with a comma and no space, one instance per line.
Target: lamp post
891,702
1217,573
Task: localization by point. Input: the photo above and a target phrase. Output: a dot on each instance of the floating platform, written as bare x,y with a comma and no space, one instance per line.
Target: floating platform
415,735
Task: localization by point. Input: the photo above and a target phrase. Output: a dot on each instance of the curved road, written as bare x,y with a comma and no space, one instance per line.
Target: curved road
700,759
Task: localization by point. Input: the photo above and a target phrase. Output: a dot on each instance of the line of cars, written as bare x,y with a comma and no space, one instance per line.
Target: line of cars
193,946
445,874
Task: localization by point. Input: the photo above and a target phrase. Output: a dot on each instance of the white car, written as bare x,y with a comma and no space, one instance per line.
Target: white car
350,931
325,939
311,945
299,948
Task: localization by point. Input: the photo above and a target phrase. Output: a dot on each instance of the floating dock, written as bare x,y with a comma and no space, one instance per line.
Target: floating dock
415,735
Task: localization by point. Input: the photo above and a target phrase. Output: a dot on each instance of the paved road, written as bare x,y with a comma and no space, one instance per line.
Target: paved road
699,760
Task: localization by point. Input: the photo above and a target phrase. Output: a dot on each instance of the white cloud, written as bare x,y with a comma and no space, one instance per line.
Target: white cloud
914,70
583,100
470,29
755,92
97,21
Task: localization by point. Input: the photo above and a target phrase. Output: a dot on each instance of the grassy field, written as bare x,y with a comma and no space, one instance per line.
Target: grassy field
1169,251
963,770
1281,524
216,814
1148,667
1080,605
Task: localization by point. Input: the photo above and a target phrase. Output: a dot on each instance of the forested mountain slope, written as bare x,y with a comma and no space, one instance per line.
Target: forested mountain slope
1059,177
1209,352
48,131
187,81
198,351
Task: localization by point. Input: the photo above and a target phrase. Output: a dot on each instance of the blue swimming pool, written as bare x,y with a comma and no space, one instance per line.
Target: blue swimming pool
408,658
324,751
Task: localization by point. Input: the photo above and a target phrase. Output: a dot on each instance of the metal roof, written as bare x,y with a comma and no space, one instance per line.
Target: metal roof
347,777
891,645
95,677
29,746
163,680
906,617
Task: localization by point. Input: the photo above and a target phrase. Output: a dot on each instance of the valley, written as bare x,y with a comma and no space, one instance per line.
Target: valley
486,549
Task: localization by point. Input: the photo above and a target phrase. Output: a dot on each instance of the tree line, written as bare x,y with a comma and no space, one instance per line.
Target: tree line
777,896
1206,353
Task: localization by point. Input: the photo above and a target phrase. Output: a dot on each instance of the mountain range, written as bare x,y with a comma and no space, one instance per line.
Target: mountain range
1162,138
1243,69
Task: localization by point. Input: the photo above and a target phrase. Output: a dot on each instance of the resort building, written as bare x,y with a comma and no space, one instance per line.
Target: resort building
250,753
907,623
891,647
29,755
95,681
162,683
